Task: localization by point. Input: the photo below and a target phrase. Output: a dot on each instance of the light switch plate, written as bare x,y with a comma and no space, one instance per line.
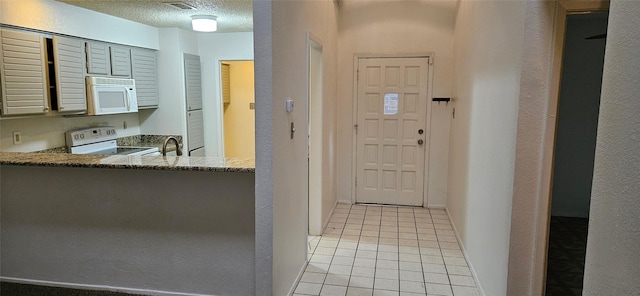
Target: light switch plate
289,105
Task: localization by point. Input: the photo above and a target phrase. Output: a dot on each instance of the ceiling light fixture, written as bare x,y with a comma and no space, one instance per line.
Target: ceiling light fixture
204,23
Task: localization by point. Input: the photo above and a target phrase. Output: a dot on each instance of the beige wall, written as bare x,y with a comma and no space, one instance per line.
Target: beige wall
239,120
612,266
489,38
388,27
280,29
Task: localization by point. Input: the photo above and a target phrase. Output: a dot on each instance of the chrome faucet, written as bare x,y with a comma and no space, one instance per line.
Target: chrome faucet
166,141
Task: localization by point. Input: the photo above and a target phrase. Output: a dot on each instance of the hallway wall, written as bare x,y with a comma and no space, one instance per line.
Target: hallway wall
281,162
612,266
385,27
488,57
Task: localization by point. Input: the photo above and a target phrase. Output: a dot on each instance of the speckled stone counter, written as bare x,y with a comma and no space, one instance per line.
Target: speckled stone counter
175,163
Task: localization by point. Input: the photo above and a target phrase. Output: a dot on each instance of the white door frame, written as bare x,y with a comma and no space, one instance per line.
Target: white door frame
356,59
314,173
544,202
220,126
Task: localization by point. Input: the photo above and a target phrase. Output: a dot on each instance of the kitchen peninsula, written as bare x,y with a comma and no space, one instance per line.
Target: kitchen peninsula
149,225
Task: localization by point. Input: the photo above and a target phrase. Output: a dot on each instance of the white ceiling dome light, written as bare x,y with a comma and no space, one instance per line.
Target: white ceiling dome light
204,23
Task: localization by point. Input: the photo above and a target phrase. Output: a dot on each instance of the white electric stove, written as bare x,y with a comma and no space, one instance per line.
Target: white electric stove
102,140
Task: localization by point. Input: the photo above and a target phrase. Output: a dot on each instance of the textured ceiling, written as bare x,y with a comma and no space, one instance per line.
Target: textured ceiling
233,15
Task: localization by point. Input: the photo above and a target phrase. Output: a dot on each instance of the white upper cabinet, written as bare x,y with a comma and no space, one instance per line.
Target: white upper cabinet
144,65
120,61
68,58
23,73
193,82
98,58
108,59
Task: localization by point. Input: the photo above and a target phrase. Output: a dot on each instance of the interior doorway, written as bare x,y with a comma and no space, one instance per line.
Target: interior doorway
238,99
574,150
315,134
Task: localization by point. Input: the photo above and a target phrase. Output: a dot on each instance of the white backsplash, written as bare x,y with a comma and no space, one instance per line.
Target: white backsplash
39,133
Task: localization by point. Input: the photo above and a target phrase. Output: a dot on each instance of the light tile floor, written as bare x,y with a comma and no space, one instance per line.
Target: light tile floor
386,250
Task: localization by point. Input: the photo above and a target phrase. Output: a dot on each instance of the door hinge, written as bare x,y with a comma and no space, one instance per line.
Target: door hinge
356,127
356,181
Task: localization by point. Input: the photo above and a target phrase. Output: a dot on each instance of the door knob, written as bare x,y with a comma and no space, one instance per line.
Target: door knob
420,142
421,131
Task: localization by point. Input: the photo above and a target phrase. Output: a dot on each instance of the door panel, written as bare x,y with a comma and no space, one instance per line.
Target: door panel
392,107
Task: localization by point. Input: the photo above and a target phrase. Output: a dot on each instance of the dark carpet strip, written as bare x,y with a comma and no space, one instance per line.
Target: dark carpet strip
567,250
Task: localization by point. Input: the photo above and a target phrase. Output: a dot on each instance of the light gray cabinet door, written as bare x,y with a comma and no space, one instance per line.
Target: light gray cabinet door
120,61
195,130
68,57
193,82
144,64
23,73
98,58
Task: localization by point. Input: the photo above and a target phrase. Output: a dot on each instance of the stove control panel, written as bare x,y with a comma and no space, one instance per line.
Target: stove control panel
90,135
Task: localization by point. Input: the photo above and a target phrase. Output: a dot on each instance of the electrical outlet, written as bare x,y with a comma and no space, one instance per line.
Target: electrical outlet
17,138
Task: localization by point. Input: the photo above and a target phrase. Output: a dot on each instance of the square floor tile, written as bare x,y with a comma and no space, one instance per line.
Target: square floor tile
389,274
329,290
363,271
340,269
387,264
340,260
385,293
461,280
361,282
447,238
411,266
436,278
321,258
317,267
431,259
452,253
430,251
429,244
355,291
409,249
412,294
458,270
412,276
345,252
373,233
386,284
347,245
388,248
337,280
308,289
448,245
313,277
434,268
365,262
438,289
366,254
455,261
415,287
387,255
464,291
324,251
367,247
388,241
410,236
409,257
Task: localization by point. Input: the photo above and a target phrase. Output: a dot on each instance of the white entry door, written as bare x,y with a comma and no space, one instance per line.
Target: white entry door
391,130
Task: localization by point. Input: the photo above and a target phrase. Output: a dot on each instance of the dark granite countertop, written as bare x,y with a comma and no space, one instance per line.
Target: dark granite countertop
175,163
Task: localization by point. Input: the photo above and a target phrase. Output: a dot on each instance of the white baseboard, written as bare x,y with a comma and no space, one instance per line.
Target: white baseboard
95,287
300,273
436,207
324,227
464,253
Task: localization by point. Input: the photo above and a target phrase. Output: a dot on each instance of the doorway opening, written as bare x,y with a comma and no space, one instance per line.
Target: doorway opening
574,150
238,98
315,134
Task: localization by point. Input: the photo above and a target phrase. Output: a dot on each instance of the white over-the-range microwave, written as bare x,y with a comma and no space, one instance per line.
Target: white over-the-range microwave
107,95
